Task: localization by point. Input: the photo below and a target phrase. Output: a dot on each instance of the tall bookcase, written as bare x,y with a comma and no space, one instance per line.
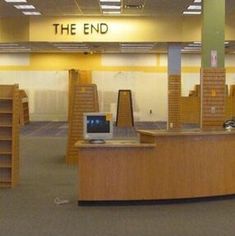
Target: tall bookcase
9,135
24,108
85,99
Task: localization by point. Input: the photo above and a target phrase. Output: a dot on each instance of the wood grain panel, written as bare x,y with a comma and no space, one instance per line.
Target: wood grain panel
190,110
180,166
174,102
125,117
212,97
9,135
83,98
24,107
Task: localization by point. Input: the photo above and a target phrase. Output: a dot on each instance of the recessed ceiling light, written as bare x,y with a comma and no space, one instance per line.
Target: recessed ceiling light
15,49
136,48
194,45
24,6
114,1
75,49
69,45
194,7
9,44
31,13
193,48
191,12
72,47
197,1
15,1
106,7
137,45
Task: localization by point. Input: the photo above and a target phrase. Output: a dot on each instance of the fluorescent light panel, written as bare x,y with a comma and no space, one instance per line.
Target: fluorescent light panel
31,13
12,47
15,1
191,12
197,1
194,7
136,48
110,1
9,44
74,50
24,6
137,44
106,7
82,48
194,45
69,45
133,47
190,51
15,49
192,48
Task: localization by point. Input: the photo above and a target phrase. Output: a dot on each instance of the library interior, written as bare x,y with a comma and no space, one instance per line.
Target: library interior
114,110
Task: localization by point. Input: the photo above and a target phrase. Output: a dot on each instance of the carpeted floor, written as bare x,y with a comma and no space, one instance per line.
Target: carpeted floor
60,128
45,128
29,209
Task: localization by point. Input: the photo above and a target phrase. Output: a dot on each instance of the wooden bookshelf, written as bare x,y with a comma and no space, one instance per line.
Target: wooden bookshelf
84,99
9,135
174,102
24,107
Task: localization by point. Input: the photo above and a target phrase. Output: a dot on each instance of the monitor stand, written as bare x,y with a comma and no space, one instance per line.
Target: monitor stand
97,141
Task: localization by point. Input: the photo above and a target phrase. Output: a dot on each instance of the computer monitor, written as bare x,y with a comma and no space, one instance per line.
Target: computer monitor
97,126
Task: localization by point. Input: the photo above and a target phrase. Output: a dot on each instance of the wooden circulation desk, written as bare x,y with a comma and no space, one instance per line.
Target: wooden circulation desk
162,165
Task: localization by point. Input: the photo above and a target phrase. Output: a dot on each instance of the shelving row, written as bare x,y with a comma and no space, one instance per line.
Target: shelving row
9,135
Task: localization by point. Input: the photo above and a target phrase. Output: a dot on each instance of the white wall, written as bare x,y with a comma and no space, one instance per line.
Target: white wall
149,92
47,92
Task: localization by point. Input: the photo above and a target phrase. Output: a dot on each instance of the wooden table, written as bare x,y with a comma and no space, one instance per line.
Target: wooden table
162,165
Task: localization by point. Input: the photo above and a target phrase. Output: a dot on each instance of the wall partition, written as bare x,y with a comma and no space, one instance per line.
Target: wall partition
146,75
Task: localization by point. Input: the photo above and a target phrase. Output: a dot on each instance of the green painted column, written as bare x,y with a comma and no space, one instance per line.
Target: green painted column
213,25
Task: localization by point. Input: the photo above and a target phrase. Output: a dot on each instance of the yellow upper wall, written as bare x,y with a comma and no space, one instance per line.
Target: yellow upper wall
63,61
230,28
107,29
91,62
191,29
14,29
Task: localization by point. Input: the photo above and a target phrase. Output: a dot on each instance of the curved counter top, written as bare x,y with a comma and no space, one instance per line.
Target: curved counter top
186,132
180,164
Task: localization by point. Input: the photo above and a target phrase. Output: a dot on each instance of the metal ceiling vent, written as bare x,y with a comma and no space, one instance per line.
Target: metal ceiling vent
134,4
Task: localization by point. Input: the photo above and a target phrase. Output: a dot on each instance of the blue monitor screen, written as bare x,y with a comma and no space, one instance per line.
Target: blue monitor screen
97,124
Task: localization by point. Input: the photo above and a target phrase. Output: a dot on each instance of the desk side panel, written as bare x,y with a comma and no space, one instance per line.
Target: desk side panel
178,167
